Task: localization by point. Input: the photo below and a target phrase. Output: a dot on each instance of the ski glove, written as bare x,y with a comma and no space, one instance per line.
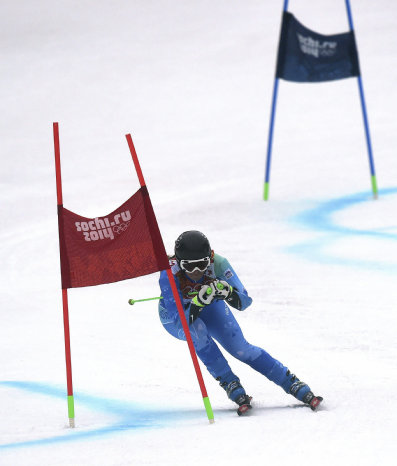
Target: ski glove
222,289
226,292
205,295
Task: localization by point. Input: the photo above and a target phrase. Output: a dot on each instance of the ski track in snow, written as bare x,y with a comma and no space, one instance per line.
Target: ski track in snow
129,416
320,219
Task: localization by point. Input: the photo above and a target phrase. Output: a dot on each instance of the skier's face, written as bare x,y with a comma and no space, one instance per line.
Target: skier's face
195,276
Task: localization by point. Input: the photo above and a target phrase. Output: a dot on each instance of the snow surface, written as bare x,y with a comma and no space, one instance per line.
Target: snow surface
192,82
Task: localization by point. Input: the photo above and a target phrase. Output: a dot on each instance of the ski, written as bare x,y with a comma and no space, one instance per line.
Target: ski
245,406
315,402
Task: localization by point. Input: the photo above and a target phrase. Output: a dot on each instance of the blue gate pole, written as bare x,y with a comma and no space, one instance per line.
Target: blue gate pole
271,128
270,140
365,117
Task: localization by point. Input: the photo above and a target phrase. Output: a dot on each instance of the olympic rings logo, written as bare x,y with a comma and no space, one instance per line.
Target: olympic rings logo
121,227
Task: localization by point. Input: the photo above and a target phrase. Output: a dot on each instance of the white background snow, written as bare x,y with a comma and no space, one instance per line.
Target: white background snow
192,82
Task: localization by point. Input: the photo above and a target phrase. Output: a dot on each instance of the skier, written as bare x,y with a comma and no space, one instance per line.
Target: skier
208,285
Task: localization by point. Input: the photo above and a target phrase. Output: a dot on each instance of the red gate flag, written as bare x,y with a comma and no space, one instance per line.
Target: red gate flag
124,244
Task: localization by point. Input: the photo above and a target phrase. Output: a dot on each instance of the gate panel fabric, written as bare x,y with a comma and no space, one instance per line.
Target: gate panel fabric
306,56
123,244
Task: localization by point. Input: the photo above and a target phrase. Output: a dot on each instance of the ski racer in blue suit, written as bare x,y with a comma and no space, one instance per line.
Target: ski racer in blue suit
208,285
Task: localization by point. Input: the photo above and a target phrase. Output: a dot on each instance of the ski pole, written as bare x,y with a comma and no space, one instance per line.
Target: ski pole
133,301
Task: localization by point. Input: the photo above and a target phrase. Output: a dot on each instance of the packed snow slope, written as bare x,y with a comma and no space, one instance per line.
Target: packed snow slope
192,82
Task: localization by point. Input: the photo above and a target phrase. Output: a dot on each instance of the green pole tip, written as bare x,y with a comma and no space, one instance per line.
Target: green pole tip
71,406
131,301
374,186
208,409
266,192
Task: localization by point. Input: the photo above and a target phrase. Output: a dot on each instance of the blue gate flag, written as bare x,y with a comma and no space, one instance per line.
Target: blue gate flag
306,56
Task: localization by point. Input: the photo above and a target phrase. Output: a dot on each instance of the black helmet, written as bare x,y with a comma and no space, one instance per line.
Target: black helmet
192,245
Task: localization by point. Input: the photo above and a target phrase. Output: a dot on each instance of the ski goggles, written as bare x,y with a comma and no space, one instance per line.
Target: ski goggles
190,266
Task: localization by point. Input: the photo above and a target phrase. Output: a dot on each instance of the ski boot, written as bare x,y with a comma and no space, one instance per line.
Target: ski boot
301,391
235,391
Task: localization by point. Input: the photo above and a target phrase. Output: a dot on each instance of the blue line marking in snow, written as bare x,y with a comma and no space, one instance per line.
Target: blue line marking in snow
130,416
320,219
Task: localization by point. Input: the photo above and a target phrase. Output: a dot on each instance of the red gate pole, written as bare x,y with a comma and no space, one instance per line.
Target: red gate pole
64,290
178,302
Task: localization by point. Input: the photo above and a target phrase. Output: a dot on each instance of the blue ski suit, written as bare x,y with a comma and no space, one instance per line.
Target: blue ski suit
216,322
